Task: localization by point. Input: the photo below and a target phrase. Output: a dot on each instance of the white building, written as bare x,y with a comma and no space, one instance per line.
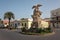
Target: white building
55,18
15,24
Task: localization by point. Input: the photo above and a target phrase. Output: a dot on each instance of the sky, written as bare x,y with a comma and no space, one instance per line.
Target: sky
23,8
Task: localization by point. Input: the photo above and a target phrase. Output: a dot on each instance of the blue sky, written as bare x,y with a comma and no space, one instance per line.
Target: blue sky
23,8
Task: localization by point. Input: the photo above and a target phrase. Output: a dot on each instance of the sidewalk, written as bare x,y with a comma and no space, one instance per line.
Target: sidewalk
16,30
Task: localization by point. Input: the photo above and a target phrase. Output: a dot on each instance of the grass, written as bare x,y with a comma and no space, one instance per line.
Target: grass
32,33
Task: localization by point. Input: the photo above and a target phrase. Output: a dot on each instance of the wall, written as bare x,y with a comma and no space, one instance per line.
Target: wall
44,24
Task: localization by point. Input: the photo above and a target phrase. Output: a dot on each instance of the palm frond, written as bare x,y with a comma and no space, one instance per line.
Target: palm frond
8,15
38,5
33,7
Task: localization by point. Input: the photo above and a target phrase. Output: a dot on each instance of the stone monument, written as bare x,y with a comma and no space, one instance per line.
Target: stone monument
36,16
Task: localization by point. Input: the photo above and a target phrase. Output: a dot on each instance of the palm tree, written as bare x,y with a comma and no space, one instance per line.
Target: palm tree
9,16
0,20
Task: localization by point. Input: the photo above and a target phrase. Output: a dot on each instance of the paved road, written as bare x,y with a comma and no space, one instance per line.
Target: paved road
10,35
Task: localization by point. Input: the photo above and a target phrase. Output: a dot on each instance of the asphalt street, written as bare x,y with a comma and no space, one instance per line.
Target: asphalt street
12,35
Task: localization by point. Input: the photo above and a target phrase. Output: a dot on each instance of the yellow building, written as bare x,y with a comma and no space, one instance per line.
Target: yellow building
44,24
25,22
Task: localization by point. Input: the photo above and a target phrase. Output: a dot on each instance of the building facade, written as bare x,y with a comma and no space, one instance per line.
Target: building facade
15,24
45,22
55,18
25,22
5,22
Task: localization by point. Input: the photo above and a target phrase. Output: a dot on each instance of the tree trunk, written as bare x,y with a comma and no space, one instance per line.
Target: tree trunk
9,23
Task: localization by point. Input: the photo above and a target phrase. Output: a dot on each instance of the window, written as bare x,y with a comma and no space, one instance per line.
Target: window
57,14
57,18
22,24
25,24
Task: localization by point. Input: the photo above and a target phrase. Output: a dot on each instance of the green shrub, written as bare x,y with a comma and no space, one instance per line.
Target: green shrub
32,30
48,30
40,30
36,30
23,29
